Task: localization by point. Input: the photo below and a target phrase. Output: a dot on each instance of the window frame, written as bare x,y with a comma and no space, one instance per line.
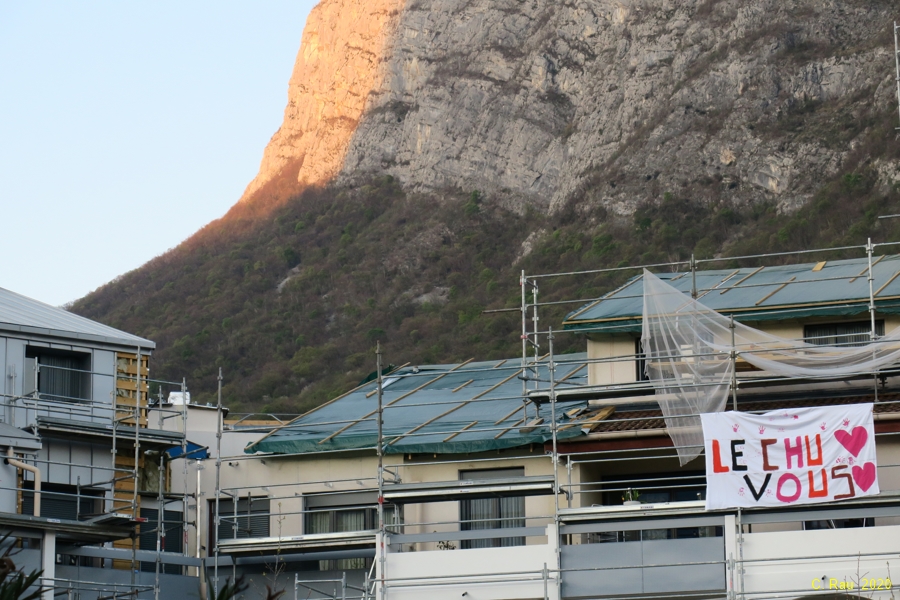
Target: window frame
245,512
842,339
77,375
502,520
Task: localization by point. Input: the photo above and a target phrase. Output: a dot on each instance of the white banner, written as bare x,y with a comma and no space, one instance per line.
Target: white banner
789,456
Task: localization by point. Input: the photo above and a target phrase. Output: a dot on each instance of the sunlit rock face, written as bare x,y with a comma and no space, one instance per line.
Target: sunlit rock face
538,103
341,54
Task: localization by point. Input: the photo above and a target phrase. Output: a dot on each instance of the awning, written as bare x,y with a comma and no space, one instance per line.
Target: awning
191,451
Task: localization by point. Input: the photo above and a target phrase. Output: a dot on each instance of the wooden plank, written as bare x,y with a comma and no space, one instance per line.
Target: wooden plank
127,460
591,423
531,426
866,270
595,418
508,429
715,287
742,280
131,385
130,369
775,291
820,265
509,414
466,428
455,408
887,283
572,373
459,387
395,400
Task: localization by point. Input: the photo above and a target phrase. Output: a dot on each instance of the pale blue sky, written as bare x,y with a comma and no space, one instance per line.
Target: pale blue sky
127,126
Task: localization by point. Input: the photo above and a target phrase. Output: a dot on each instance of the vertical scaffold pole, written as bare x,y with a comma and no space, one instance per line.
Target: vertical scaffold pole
218,481
555,454
873,334
184,462
160,522
733,367
524,336
534,323
740,524
380,452
870,248
137,454
693,278
545,575
897,64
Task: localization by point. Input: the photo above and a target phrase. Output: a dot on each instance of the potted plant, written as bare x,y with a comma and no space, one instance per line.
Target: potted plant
631,497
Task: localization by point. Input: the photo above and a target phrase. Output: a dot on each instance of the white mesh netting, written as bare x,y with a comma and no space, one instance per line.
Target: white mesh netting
688,358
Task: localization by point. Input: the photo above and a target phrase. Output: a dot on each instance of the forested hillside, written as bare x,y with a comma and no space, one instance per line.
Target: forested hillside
432,151
291,302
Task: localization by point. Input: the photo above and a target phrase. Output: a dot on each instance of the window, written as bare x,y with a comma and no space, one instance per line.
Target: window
61,375
252,518
340,512
839,523
492,513
856,333
174,535
646,535
640,362
59,501
656,488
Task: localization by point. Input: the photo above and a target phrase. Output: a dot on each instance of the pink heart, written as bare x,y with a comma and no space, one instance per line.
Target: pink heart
864,476
854,441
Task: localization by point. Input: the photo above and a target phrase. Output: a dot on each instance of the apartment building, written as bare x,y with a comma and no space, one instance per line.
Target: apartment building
80,484
554,476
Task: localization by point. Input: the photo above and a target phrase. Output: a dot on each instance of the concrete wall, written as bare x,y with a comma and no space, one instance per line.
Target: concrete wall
8,483
611,346
805,558
485,573
64,462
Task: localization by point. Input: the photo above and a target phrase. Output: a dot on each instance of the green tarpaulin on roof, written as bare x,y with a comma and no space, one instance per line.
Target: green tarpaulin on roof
825,289
444,409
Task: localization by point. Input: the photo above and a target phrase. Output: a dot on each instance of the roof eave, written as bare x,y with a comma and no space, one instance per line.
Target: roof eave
129,342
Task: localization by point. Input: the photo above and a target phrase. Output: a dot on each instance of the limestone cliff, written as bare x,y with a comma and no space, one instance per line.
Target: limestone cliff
538,102
342,48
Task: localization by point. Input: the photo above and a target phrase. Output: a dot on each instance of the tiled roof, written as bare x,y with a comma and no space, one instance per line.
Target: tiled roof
651,418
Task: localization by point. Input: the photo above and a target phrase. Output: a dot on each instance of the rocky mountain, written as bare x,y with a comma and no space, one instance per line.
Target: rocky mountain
533,102
432,149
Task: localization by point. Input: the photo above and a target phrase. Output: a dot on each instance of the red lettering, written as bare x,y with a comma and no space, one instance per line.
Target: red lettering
796,450
813,492
788,477
836,475
718,467
765,451
810,461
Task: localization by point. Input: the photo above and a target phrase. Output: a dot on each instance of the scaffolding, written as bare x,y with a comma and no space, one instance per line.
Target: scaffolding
544,389
116,488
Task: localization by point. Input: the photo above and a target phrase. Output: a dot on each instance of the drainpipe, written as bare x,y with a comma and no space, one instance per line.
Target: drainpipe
11,460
